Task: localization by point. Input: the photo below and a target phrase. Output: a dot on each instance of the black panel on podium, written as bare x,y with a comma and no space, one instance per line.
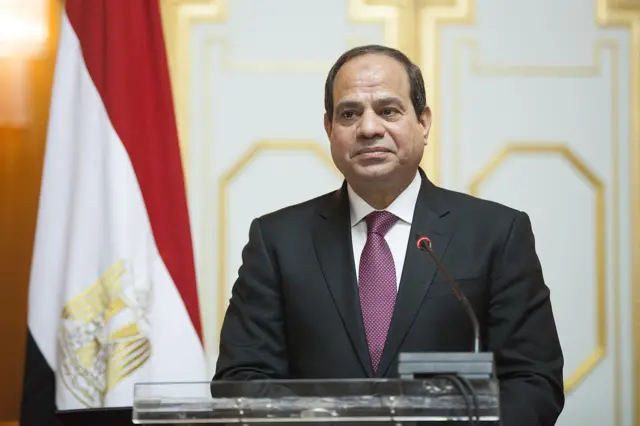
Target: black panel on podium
96,417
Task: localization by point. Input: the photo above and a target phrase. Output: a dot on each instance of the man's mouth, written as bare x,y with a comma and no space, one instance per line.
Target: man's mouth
372,150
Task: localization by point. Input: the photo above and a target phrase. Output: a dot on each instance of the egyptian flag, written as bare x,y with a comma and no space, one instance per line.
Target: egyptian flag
112,296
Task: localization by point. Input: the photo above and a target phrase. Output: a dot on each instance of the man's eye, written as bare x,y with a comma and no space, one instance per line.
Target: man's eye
387,112
348,114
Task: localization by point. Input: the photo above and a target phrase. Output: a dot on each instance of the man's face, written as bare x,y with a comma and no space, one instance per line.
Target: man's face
375,134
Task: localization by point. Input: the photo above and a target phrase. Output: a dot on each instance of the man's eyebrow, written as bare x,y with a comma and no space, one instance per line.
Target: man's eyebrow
348,103
384,100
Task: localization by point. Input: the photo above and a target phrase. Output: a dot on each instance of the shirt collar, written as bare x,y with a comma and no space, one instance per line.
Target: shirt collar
402,207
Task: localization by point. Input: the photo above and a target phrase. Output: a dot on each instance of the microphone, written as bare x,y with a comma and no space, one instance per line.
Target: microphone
458,367
424,244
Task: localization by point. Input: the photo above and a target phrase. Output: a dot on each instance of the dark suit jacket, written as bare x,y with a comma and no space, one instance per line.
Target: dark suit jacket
295,313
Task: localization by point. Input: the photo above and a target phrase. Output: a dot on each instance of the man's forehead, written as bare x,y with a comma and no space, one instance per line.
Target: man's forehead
372,76
370,66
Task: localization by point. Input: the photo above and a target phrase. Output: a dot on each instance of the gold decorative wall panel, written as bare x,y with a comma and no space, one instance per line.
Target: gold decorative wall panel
626,14
480,68
530,149
177,19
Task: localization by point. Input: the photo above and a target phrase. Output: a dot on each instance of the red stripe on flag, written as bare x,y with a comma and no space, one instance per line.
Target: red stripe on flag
124,51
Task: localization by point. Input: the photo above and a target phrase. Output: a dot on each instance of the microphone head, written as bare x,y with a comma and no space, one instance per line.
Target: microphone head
423,243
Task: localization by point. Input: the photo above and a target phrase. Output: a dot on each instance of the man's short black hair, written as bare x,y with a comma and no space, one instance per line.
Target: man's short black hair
416,82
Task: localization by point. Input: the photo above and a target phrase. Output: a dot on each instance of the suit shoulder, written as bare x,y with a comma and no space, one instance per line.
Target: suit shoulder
471,206
485,219
296,213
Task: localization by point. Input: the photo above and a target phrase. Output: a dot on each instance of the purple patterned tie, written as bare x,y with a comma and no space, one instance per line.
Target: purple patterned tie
377,283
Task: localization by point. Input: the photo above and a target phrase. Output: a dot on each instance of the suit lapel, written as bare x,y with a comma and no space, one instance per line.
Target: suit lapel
332,240
431,219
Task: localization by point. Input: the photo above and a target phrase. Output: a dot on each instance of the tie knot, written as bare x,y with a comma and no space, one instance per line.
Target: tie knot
380,221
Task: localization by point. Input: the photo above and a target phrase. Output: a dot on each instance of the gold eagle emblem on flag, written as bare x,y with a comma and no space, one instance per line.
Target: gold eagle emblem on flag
103,336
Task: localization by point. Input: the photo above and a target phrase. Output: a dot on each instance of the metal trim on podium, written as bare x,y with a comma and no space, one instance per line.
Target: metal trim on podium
375,401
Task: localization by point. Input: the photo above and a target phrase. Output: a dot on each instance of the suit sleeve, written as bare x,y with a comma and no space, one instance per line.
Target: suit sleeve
522,333
252,339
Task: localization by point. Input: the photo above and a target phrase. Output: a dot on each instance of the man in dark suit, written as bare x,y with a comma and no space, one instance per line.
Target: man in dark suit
335,287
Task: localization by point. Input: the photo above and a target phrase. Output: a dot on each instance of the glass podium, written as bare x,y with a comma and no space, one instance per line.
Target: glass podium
439,400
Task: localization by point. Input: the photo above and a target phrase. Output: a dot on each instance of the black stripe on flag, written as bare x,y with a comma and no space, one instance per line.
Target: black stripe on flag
39,389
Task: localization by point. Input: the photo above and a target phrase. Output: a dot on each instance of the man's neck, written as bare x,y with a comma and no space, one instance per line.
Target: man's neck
381,196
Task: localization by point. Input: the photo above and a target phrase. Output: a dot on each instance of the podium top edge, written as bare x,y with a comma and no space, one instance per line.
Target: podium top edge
305,381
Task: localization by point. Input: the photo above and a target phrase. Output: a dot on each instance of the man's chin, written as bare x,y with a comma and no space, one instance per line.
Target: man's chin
374,171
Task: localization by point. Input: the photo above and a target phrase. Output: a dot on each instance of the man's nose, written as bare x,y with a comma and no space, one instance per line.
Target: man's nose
370,126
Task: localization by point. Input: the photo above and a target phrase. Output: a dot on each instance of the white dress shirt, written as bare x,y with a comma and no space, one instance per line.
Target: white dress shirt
397,237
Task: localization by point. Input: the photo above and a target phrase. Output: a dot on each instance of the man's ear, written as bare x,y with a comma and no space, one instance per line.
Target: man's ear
425,122
327,125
